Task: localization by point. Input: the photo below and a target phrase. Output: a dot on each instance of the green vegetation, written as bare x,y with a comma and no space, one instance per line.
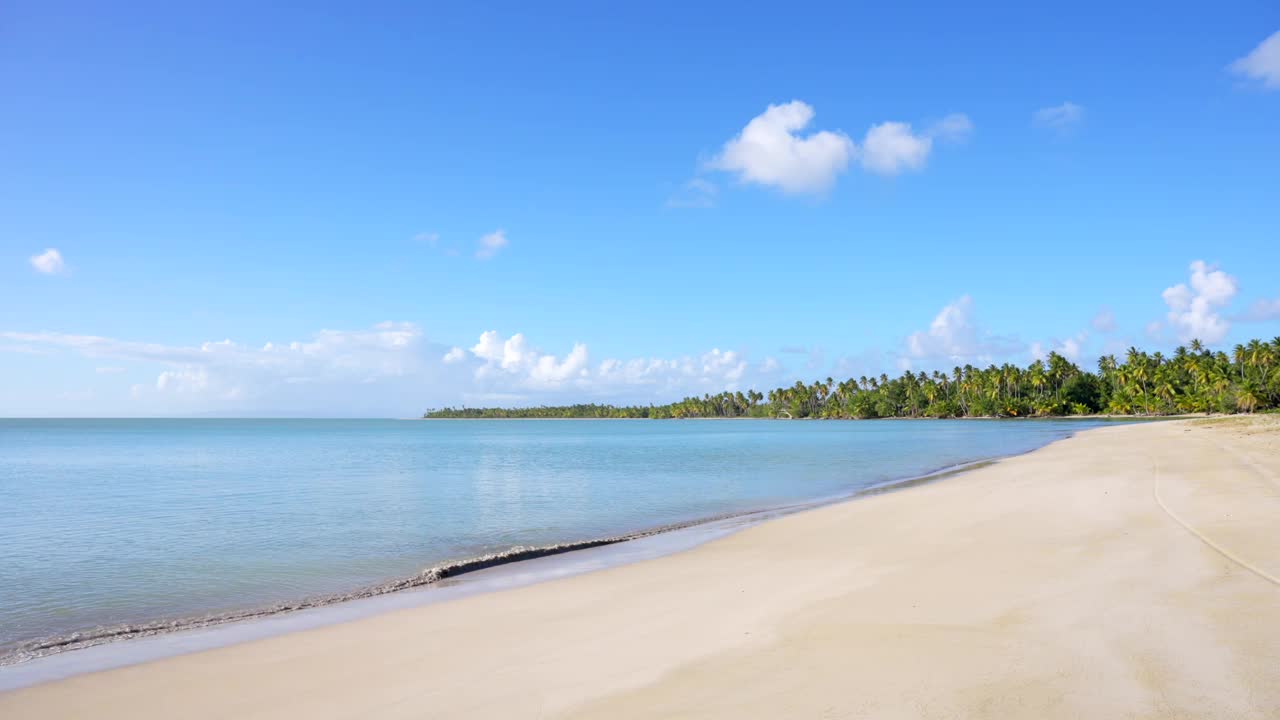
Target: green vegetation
1194,380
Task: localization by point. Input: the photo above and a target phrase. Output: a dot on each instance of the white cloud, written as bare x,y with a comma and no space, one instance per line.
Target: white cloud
890,148
1193,310
1059,117
893,147
48,262
430,239
455,354
1262,64
549,371
506,354
770,152
514,364
1261,311
491,244
1105,321
955,337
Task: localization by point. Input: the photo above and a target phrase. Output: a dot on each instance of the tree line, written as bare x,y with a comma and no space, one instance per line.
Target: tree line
1192,380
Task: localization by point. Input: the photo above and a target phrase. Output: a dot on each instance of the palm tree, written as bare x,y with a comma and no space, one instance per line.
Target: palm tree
1247,398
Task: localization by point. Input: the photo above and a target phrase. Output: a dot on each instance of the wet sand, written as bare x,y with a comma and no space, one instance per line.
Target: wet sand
1131,571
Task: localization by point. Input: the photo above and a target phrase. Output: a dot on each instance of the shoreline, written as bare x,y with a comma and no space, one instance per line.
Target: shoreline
1110,574
23,654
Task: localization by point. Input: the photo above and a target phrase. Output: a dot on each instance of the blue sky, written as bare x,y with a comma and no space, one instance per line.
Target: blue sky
335,211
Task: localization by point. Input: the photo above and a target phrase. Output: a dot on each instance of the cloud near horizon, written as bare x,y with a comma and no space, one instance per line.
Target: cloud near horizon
1195,309
389,369
352,366
392,368
955,337
513,367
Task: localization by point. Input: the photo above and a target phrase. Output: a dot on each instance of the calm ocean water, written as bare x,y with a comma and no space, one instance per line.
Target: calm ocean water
114,521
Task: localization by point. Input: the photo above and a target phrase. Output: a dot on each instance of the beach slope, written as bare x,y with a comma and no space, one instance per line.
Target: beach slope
1132,571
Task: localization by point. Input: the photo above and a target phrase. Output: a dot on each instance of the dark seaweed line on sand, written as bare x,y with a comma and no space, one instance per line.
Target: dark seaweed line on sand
24,651
32,649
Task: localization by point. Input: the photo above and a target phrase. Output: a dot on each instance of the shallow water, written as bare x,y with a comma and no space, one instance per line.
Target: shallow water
122,521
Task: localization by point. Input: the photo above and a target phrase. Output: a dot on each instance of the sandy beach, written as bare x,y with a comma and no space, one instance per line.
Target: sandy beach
1128,572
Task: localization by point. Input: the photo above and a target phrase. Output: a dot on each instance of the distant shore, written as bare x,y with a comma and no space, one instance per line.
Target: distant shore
1095,416
1130,571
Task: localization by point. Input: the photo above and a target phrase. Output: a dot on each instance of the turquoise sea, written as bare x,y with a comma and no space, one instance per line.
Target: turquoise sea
104,522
